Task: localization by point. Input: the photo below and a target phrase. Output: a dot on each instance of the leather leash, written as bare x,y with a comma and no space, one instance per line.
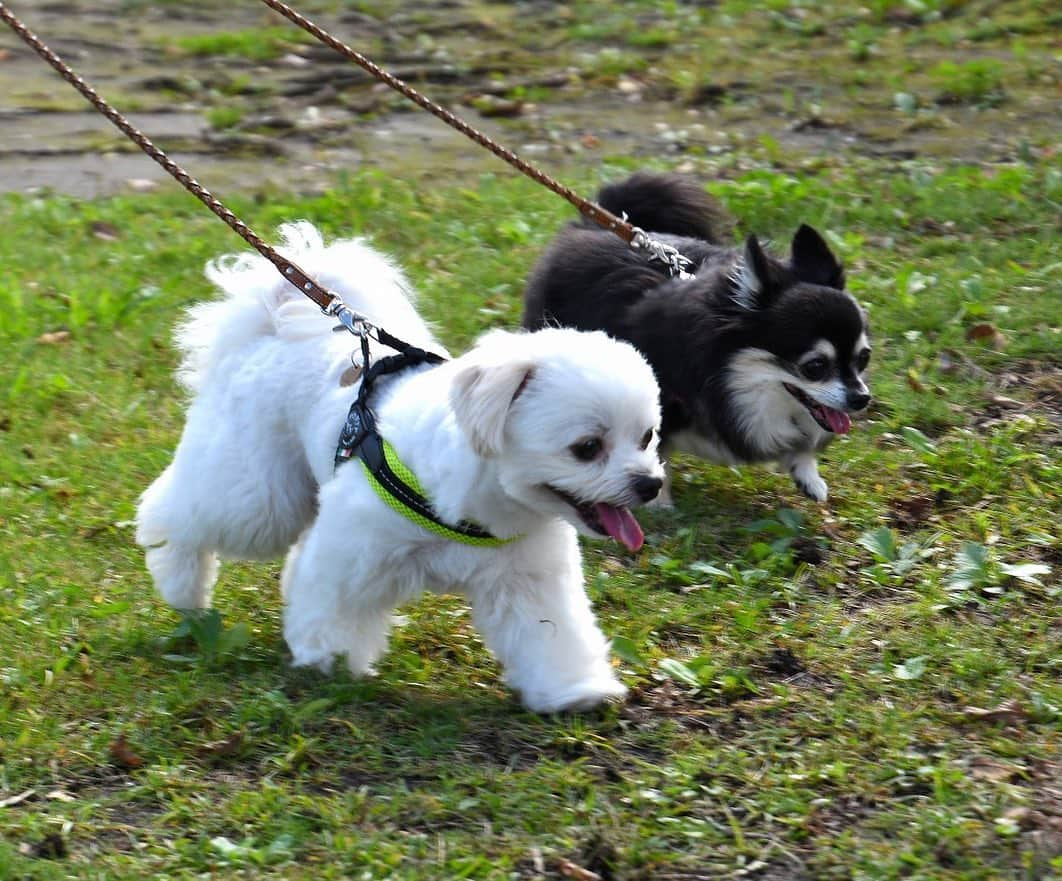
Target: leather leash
637,238
359,437
330,302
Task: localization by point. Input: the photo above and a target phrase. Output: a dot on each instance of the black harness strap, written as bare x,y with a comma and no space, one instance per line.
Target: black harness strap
360,428
360,437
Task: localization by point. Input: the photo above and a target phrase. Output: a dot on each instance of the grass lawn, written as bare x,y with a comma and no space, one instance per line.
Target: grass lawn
863,690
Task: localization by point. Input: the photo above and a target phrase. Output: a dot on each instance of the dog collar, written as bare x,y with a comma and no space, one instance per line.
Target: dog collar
392,481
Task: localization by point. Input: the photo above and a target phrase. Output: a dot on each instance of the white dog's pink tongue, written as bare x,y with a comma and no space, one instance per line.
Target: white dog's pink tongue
839,421
620,524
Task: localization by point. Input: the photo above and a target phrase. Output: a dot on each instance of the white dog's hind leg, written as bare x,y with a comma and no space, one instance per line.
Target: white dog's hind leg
184,569
324,613
184,576
542,630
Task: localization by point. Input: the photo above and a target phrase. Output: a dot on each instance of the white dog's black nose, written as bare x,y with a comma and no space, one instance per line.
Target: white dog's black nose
646,487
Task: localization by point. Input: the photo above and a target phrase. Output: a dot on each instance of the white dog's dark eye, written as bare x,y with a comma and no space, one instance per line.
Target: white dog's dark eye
815,369
647,439
862,360
587,450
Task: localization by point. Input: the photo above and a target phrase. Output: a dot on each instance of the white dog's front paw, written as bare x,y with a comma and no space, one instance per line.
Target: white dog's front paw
322,662
576,697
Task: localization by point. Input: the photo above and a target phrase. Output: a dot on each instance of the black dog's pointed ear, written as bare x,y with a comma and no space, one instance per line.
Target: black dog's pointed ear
752,276
813,261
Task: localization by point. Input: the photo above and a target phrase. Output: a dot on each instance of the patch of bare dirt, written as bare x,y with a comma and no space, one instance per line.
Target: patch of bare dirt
517,71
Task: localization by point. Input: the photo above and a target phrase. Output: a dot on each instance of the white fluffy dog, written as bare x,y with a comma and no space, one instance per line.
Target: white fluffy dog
532,436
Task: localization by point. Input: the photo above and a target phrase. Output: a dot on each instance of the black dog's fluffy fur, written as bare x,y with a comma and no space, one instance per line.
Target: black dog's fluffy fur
729,345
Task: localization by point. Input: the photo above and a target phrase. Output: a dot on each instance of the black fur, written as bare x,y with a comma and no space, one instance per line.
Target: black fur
690,330
667,203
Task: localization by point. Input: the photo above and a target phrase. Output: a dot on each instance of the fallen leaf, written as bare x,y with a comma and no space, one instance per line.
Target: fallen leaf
988,334
912,668
107,232
984,768
570,870
56,336
590,141
122,755
914,381
226,747
13,800
912,512
1008,711
1021,815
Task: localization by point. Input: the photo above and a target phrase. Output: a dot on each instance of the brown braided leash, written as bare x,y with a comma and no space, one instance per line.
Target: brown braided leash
327,300
631,234
330,303
595,212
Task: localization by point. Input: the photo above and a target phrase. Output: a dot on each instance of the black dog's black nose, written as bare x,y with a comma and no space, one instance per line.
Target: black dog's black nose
858,400
647,487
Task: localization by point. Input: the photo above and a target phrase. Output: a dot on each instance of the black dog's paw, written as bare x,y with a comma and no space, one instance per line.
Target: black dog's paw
805,474
816,488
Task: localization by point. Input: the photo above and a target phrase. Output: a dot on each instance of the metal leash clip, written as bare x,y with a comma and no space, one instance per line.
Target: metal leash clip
675,262
348,319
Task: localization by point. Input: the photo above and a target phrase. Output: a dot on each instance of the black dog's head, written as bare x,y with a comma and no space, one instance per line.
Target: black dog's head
796,327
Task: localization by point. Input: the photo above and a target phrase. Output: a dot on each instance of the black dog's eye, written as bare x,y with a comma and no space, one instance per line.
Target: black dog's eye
862,360
587,450
647,439
815,369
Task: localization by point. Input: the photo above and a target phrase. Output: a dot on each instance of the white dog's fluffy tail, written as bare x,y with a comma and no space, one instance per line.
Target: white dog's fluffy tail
258,302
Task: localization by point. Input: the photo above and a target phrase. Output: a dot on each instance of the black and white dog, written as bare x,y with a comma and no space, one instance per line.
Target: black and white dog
758,359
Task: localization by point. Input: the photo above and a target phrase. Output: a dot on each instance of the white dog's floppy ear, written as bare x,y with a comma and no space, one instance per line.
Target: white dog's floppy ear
481,397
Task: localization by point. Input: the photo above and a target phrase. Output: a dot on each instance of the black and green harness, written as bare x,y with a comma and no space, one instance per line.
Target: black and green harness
393,482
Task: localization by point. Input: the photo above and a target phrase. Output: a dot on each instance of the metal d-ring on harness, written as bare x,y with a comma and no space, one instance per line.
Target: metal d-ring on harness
396,485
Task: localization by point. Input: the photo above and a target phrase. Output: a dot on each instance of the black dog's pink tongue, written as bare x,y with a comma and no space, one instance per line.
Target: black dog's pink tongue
620,524
839,421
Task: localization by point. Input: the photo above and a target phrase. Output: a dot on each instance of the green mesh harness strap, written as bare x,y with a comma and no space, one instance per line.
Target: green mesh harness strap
392,480
400,490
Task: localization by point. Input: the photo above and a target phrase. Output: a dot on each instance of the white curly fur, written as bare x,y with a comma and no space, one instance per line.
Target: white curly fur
253,474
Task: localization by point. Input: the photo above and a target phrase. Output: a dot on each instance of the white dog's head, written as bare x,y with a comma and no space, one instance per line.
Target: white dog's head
571,420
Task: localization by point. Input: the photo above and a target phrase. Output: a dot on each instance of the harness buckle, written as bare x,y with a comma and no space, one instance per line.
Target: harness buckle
359,425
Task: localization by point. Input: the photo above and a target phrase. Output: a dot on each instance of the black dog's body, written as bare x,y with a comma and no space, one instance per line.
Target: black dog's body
737,347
